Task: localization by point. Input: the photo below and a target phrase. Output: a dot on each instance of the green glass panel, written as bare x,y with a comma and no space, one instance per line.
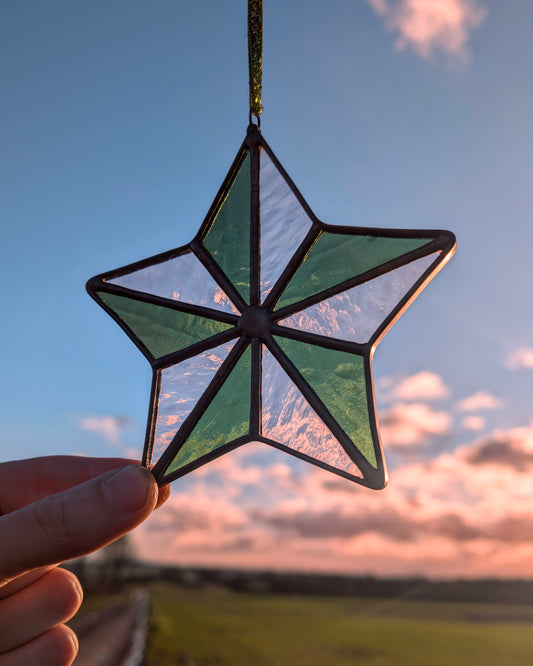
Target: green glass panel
338,378
162,330
227,417
338,257
228,238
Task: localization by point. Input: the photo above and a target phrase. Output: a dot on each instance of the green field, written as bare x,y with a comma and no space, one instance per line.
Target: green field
216,627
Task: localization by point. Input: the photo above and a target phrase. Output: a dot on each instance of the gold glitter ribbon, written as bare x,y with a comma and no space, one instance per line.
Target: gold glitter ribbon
255,55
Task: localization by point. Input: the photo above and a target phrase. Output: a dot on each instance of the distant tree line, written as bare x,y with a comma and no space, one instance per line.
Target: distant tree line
117,566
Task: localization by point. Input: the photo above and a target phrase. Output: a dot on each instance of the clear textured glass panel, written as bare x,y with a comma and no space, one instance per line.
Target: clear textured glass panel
338,378
284,224
290,420
182,278
181,386
227,417
356,314
338,257
228,238
161,330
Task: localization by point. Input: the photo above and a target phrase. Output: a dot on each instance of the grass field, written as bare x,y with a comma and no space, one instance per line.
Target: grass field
216,627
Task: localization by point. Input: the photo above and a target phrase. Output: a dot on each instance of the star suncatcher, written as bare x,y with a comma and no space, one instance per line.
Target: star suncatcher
263,327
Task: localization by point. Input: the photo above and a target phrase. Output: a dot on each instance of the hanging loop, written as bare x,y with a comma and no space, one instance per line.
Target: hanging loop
255,56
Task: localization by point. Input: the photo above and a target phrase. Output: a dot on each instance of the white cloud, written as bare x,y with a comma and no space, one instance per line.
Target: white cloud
108,427
427,26
480,400
520,358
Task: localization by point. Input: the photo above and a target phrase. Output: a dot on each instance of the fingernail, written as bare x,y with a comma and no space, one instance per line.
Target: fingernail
127,490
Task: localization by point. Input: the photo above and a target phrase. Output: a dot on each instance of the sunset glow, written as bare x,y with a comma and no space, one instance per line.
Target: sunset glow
460,513
118,129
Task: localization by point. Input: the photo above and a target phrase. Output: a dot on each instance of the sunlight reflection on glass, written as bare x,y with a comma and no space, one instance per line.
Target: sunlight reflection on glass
181,387
182,278
284,224
290,420
355,314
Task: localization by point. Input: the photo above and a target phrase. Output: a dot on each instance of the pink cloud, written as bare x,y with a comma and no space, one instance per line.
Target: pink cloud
520,358
412,424
512,449
480,400
422,386
426,26
473,423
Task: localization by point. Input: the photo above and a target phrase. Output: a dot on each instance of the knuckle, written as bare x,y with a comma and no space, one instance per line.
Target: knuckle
51,516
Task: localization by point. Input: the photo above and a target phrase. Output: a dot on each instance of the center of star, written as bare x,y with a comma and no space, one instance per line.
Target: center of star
255,321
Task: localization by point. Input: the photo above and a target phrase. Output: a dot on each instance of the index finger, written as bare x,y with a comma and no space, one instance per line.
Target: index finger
23,482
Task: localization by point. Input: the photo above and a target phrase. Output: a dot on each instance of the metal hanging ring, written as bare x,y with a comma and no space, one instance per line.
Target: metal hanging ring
251,116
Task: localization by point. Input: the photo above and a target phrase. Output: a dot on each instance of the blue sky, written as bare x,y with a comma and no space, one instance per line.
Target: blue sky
119,122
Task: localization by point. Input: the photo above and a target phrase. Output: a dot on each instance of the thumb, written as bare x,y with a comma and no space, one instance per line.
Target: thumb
76,521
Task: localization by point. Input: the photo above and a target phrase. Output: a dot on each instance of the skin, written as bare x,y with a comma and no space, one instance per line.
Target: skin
53,509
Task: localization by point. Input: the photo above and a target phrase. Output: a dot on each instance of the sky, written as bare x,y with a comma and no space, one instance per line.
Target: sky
119,121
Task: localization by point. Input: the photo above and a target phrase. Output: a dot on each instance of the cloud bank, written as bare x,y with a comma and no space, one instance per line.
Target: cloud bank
446,513
464,513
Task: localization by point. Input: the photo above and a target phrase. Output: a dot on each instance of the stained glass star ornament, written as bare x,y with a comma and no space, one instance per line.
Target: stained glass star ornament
263,327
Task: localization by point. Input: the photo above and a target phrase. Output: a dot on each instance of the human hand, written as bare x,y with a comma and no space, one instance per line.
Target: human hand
53,509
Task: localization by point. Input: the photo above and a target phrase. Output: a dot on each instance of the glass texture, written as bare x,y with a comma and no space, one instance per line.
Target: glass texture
290,420
357,313
338,257
228,238
284,224
338,378
181,387
227,417
161,330
182,278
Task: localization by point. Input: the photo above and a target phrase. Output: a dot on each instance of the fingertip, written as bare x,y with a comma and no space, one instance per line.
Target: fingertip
63,645
62,592
131,490
58,645
70,589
